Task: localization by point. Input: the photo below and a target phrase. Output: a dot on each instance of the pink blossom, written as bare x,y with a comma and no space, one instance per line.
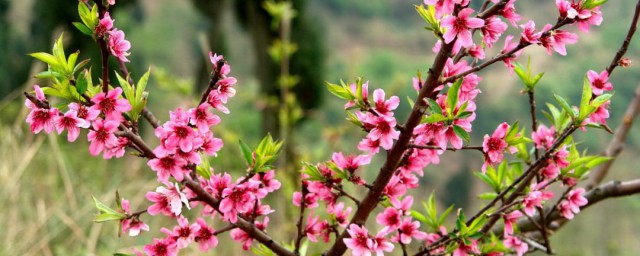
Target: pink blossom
383,130
237,199
239,235
41,118
269,183
407,230
205,236
102,136
341,214
118,45
380,244
354,90
495,145
161,247
88,114
575,199
211,145
543,136
110,104
566,9
218,101
167,200
467,249
314,227
310,200
359,241
202,118
177,134
452,68
529,33
509,46
389,218
117,149
132,225
384,107
510,219
601,114
166,165
493,29
599,82
214,58
515,243
460,26
589,17
350,163
477,52
225,87
71,123
557,39
395,187
111,2
184,234
509,12
535,199
105,24
369,145
442,7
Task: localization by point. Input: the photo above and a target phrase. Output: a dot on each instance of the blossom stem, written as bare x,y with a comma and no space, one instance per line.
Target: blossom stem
225,229
213,82
300,235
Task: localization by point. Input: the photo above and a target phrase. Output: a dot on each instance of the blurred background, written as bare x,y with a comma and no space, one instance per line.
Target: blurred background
46,183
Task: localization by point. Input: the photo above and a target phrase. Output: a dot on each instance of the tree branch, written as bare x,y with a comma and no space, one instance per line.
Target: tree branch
611,189
241,223
625,44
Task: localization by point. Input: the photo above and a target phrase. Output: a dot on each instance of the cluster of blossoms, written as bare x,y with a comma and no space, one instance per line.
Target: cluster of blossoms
186,139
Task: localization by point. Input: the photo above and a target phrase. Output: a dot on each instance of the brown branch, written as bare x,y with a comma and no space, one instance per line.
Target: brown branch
241,223
225,229
394,156
215,77
611,189
503,56
479,148
300,235
625,44
534,121
617,143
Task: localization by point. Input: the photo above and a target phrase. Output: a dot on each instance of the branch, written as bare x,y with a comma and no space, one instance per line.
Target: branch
612,189
241,223
215,76
397,151
448,148
625,45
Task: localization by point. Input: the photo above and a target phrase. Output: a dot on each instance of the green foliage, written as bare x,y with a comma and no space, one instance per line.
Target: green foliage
526,76
106,213
429,15
431,218
137,96
261,158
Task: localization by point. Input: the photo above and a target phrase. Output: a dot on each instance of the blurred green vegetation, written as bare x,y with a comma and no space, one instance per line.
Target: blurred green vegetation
47,183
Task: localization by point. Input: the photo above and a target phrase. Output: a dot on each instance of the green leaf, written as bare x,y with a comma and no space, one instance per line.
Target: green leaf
600,100
81,84
452,96
434,118
246,152
108,216
46,58
585,108
461,133
411,102
434,106
565,105
488,196
83,28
